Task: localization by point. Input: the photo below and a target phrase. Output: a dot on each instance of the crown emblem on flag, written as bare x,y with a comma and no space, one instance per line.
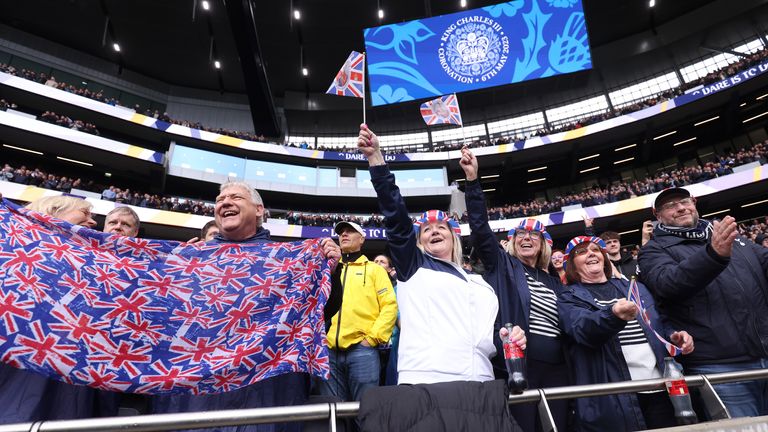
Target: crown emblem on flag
473,48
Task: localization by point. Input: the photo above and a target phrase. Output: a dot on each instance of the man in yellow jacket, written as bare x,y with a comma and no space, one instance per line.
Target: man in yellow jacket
364,321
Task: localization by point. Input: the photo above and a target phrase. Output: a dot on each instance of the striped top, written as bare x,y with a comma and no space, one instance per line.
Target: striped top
638,354
543,319
632,333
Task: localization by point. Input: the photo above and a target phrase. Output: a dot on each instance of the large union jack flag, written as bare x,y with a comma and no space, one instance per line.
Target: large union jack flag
152,316
443,110
350,81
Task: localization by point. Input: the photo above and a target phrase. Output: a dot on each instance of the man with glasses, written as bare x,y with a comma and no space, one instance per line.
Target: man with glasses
712,282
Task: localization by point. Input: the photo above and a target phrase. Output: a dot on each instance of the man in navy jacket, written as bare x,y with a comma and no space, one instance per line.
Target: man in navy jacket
713,283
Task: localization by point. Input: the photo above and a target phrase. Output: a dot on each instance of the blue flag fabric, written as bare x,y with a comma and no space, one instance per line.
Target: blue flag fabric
150,316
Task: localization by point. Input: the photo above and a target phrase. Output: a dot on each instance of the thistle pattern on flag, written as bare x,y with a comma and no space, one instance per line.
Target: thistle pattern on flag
443,110
151,316
350,80
633,295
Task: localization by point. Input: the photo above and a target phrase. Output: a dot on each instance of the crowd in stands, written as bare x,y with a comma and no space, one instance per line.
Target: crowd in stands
740,64
755,228
5,105
40,178
67,122
602,194
325,220
599,194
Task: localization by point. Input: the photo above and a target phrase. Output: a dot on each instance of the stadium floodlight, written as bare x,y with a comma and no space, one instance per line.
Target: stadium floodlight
206,5
116,47
304,71
463,3
217,64
296,14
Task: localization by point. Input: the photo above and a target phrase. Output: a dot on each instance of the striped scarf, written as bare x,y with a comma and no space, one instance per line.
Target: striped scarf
702,231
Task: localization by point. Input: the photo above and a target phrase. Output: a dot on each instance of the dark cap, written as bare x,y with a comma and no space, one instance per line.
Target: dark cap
344,224
666,193
760,239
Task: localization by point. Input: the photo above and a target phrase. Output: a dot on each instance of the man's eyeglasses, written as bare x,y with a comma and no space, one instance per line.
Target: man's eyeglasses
535,235
673,204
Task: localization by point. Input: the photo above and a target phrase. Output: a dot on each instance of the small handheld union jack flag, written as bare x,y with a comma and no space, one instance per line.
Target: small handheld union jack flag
350,80
633,295
443,110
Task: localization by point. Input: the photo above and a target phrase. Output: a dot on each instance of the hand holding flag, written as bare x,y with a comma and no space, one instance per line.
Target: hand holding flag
633,295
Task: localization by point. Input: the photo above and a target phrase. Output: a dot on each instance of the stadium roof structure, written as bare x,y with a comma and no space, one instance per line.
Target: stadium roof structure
261,47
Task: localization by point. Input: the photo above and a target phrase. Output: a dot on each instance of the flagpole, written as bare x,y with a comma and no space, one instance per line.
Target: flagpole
364,82
463,133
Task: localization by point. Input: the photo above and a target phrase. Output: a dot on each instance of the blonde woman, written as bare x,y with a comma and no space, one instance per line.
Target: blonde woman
76,211
441,339
27,396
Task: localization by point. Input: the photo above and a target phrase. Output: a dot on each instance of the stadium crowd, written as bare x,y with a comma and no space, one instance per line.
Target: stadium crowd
598,194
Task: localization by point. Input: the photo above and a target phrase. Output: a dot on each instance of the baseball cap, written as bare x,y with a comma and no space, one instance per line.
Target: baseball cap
668,192
344,224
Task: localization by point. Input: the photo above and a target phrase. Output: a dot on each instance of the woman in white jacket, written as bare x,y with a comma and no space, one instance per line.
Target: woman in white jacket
446,315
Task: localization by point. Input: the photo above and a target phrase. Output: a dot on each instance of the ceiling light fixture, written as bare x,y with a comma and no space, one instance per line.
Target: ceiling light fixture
706,121
489,176
296,14
623,160
22,149
537,169
717,212
625,147
665,135
381,13
488,190
217,64
116,47
588,170
74,161
629,232
537,180
589,157
206,5
652,3
752,118
304,71
683,142
755,203
463,3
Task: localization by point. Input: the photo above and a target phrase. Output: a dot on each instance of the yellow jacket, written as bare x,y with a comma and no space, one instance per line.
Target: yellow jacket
368,307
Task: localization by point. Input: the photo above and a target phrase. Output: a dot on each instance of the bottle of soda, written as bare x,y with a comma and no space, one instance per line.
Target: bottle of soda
514,357
678,393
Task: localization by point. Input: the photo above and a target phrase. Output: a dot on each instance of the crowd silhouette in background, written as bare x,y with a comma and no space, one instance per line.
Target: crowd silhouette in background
754,229
596,195
745,62
67,122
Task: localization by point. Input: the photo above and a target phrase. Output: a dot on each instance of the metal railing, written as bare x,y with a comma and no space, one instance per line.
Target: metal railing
331,411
